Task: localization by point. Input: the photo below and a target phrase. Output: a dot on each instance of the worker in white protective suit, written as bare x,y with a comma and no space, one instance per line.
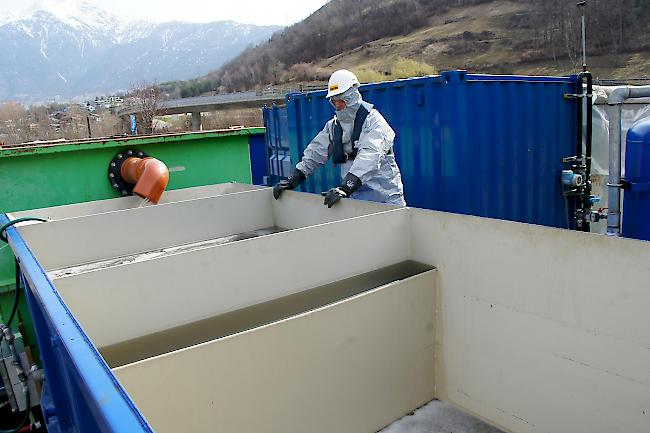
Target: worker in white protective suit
360,140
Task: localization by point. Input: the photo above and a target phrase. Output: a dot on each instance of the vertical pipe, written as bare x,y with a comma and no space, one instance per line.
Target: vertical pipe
90,134
584,45
126,124
588,134
590,89
614,202
579,202
196,121
267,145
276,142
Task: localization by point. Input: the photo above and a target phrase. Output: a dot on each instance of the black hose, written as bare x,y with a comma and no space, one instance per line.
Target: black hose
14,308
9,338
3,235
25,417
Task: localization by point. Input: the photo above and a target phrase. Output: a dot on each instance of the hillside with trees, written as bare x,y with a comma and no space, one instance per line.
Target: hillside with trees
382,40
393,38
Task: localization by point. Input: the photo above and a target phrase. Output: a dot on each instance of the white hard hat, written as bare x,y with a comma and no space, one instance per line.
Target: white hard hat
340,81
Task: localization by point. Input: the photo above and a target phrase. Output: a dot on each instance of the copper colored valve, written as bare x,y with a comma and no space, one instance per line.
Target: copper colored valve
149,175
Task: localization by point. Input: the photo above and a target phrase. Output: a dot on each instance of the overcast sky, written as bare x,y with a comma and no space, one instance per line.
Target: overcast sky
263,12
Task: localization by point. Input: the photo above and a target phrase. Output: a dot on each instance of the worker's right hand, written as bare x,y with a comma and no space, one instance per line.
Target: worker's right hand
296,178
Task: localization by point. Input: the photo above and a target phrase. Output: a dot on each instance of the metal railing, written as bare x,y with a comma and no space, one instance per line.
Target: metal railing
225,98
282,91
638,81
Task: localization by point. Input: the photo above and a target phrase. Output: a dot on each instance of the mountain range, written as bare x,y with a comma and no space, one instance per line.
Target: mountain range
57,53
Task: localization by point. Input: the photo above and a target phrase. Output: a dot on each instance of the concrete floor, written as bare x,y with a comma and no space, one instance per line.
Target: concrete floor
439,417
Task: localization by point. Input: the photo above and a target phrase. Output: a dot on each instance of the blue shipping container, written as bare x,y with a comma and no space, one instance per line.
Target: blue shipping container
278,154
483,145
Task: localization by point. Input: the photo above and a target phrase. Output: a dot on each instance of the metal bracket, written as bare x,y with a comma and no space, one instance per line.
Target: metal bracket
570,159
4,377
635,186
577,95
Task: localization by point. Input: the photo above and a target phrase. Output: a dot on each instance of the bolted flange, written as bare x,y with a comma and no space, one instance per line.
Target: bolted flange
114,170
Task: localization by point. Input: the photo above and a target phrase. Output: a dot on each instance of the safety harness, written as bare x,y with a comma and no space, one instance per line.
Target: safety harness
339,155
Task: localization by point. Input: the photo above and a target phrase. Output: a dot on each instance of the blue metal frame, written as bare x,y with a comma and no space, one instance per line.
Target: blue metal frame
257,153
277,142
81,394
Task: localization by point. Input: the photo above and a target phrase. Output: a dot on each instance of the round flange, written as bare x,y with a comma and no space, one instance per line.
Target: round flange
114,170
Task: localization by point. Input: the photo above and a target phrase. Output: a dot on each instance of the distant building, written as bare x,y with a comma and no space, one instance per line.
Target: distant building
59,119
88,106
109,102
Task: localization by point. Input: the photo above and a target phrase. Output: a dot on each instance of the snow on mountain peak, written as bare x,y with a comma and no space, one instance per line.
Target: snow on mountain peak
83,16
73,46
71,12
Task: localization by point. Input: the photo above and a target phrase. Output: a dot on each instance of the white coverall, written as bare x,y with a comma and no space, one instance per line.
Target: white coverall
374,164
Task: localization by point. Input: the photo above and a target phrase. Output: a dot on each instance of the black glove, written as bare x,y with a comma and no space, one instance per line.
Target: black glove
296,178
350,184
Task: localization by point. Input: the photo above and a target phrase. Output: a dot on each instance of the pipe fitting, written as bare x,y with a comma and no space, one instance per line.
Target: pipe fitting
569,178
149,175
620,94
131,171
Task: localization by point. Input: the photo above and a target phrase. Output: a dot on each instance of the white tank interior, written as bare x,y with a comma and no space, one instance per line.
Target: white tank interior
131,202
129,233
529,328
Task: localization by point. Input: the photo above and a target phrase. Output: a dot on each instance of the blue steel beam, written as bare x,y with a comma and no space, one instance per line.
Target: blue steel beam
81,392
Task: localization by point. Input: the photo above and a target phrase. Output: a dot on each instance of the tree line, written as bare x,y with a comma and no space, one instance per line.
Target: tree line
337,27
20,124
613,26
552,28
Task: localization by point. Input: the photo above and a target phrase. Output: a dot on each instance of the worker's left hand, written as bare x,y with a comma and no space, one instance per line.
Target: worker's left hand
334,195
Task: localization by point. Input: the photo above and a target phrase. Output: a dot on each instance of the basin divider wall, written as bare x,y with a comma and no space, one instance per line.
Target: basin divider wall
353,366
123,203
74,241
295,210
225,278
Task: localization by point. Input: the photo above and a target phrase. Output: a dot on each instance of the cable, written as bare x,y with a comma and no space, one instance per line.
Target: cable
14,308
566,213
9,337
25,417
3,235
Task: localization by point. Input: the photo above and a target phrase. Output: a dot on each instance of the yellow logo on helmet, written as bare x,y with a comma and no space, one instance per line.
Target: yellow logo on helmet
334,87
